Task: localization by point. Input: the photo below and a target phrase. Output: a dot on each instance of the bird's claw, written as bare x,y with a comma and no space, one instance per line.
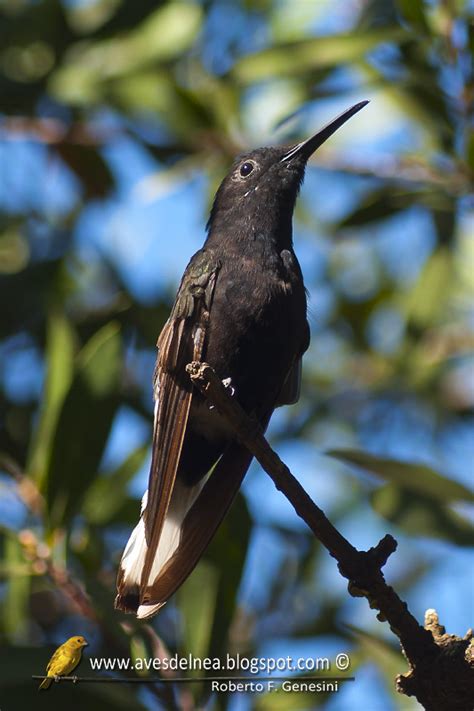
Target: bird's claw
227,383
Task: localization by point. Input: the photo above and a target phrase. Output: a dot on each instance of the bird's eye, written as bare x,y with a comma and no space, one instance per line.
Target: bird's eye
246,169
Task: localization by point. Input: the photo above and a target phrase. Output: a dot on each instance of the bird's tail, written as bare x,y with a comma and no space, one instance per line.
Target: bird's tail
188,529
129,580
45,684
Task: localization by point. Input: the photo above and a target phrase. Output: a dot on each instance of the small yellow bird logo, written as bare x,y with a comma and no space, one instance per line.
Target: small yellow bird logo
64,660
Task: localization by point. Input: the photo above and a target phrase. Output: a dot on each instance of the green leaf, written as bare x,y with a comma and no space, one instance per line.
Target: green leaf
310,54
413,11
15,604
164,35
379,205
84,424
289,701
419,101
108,494
26,296
228,551
208,599
417,478
138,650
422,303
14,251
470,150
59,358
421,515
197,602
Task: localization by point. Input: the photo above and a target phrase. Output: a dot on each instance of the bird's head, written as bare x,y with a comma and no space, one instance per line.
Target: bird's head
77,642
262,185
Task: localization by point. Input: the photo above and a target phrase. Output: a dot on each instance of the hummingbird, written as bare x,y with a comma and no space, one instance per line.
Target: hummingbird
241,307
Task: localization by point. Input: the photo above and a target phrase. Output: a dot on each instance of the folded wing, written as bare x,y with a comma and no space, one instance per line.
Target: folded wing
166,503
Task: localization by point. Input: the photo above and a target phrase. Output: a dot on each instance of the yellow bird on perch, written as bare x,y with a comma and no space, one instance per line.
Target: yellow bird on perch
64,660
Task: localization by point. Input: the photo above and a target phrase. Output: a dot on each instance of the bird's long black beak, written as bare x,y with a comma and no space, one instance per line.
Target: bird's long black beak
307,148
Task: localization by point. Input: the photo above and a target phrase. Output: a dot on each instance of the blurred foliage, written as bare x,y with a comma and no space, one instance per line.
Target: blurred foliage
189,85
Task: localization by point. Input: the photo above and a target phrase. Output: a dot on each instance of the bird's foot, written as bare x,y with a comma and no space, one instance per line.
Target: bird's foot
75,679
57,678
227,383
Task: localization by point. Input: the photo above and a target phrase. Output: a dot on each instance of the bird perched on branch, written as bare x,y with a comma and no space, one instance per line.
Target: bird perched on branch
241,307
64,660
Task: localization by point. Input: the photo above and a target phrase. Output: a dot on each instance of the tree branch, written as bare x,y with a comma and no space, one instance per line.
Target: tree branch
426,657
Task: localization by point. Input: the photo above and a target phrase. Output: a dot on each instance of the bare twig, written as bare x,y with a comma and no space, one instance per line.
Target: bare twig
426,658
51,131
27,489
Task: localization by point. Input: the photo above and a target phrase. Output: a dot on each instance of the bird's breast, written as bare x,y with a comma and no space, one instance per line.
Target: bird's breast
257,326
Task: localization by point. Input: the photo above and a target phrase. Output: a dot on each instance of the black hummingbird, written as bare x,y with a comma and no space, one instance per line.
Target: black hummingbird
241,307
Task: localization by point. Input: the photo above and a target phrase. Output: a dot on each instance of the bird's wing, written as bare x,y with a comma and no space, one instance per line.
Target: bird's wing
181,341
290,392
71,662
55,658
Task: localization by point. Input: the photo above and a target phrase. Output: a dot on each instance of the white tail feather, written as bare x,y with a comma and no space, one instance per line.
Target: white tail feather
146,611
182,499
133,558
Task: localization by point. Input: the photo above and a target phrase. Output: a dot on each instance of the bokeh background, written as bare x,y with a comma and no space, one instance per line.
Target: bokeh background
118,120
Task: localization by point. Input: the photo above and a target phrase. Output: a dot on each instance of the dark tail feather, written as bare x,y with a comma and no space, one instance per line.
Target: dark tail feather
199,527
